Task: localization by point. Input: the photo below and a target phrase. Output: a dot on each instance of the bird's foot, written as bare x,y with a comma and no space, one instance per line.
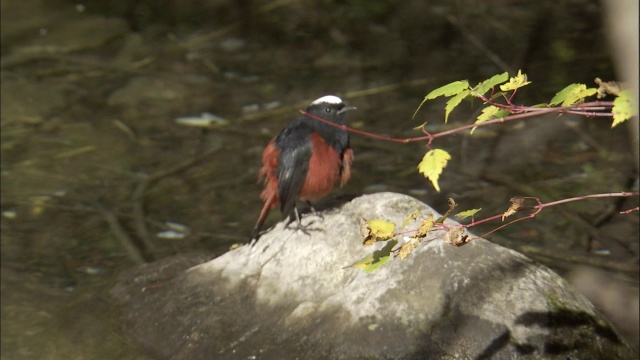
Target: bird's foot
298,223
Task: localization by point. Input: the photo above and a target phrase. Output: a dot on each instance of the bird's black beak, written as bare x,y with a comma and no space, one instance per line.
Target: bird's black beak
346,108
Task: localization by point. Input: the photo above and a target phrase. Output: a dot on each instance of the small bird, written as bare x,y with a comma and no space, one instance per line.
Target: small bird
305,160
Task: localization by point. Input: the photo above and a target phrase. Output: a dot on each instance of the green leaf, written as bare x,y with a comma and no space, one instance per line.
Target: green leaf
486,85
623,107
562,94
380,257
452,205
450,89
516,82
572,94
467,213
432,164
576,97
420,126
453,102
488,113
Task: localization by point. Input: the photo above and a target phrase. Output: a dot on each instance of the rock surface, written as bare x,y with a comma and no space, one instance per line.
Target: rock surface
296,296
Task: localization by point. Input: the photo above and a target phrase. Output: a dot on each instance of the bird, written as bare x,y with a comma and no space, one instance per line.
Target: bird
305,160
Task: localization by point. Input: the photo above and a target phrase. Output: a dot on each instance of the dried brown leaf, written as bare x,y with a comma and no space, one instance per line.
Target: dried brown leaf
516,204
407,248
608,87
425,227
456,236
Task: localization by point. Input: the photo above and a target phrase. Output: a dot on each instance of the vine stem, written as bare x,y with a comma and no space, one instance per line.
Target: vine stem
520,112
538,208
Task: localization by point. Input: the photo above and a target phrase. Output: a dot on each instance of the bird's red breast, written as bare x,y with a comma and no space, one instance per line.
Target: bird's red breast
326,167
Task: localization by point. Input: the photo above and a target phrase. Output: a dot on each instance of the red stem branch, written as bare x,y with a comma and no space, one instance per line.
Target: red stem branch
518,112
538,208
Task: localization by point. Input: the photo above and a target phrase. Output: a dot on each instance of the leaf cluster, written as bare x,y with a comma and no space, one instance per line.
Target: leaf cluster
498,107
381,230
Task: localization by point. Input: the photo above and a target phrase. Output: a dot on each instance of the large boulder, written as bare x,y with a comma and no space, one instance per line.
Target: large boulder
294,295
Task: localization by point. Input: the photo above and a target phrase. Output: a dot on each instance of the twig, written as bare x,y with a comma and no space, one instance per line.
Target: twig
145,183
139,215
595,233
582,109
127,244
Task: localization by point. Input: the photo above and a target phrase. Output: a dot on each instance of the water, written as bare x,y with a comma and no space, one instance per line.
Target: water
97,175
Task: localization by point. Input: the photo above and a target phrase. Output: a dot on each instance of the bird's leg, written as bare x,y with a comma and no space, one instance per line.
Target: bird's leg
304,228
314,211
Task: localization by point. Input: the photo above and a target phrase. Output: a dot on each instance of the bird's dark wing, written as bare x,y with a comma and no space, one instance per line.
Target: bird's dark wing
295,147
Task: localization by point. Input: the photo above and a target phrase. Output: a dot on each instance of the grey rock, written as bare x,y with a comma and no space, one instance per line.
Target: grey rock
294,295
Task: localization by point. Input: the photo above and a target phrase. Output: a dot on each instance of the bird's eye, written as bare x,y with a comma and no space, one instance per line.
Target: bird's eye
327,110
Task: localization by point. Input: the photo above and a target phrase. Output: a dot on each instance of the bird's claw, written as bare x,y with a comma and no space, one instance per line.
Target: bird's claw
298,223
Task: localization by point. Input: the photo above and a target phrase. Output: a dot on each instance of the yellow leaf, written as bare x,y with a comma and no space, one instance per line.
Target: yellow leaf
432,165
516,82
376,230
623,107
381,228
